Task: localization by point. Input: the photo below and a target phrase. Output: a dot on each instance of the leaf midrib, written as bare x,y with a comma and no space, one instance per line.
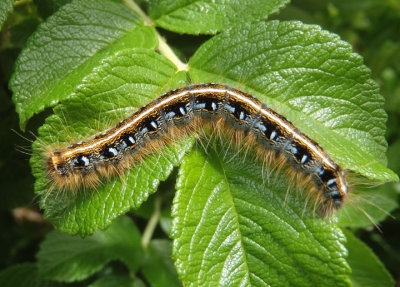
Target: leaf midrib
236,216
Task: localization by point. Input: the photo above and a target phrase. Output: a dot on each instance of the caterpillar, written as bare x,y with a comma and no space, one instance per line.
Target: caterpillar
182,111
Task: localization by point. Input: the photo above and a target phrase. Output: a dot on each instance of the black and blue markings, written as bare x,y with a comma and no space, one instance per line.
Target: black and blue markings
81,161
206,104
179,112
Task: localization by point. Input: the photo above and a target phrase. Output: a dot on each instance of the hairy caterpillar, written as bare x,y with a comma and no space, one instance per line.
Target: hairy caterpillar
182,111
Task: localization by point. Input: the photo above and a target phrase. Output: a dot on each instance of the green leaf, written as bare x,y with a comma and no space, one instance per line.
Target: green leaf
369,207
233,226
6,6
159,269
116,88
68,46
117,281
22,275
209,17
67,258
367,269
311,77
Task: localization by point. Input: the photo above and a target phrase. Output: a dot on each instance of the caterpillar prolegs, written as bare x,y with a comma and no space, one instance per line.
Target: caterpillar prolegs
182,111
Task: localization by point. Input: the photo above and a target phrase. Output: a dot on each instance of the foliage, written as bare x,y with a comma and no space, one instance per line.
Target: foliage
232,220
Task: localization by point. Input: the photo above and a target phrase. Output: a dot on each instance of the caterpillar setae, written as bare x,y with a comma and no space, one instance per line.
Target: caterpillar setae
186,110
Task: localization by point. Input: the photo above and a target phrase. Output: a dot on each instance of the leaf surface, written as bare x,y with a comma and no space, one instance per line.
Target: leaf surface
233,226
368,207
311,77
367,269
66,258
122,83
6,6
208,16
67,46
159,269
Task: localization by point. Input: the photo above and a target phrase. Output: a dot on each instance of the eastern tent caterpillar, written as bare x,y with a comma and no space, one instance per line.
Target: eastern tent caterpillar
185,110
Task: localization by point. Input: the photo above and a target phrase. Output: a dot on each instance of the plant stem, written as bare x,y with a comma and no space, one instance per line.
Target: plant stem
135,7
163,47
152,224
166,50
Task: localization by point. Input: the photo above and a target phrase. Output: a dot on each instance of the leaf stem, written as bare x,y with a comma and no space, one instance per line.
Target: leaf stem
163,47
135,7
152,224
166,50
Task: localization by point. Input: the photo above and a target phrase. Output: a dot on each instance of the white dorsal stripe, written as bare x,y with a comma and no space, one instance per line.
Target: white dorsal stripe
280,126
